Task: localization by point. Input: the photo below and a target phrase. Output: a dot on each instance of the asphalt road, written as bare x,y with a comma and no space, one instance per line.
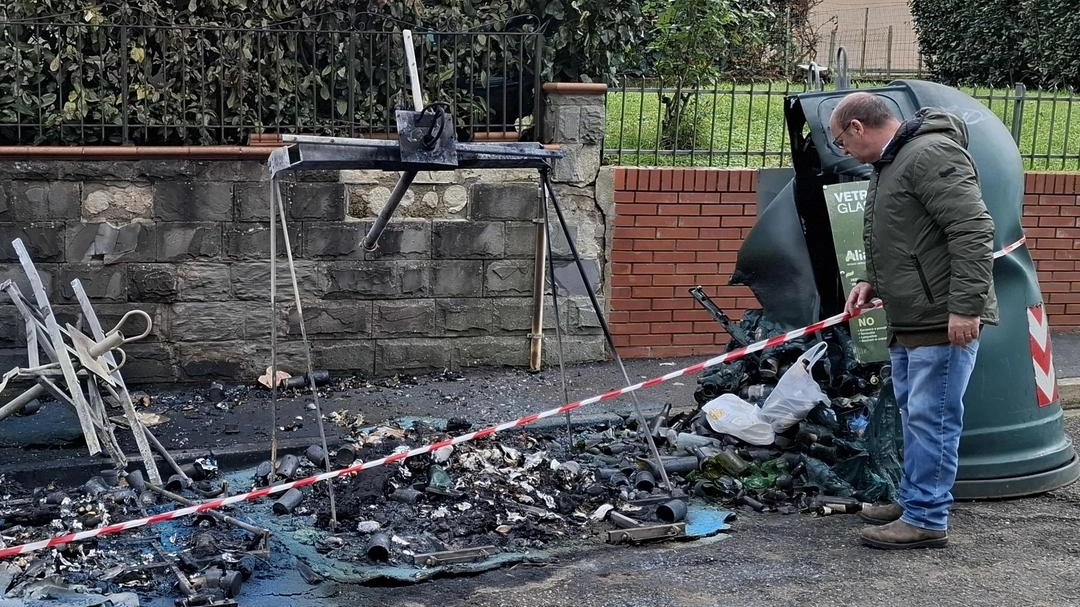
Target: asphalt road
1017,552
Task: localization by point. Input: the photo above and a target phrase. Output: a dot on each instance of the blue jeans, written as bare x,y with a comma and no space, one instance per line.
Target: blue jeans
929,382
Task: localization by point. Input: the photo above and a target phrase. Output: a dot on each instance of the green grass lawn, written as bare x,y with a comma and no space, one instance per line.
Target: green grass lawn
743,126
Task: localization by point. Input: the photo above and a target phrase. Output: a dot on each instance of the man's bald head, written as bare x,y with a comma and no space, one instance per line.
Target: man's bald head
862,125
867,108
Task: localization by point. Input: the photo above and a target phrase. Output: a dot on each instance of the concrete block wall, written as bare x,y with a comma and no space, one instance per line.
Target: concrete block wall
676,228
188,241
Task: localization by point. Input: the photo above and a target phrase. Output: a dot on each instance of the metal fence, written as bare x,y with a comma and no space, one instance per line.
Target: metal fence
93,84
880,40
742,125
723,125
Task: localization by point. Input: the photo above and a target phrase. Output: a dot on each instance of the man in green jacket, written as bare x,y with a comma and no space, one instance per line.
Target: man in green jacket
929,257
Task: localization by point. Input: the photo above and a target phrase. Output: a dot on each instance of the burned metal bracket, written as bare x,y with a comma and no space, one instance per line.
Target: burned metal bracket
638,535
653,500
314,153
427,137
622,521
451,557
427,141
83,347
734,330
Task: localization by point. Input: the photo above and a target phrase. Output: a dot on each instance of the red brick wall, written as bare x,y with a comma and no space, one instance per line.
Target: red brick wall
676,228
1052,226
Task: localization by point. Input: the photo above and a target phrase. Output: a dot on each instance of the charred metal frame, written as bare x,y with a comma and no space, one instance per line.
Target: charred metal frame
423,145
86,364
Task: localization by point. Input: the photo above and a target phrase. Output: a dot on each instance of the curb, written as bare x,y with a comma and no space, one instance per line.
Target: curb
75,471
1069,392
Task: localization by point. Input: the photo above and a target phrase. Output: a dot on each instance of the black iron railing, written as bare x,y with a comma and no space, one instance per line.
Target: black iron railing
114,84
652,123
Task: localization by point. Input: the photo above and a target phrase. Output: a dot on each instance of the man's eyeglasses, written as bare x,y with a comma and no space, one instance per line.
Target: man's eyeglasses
839,140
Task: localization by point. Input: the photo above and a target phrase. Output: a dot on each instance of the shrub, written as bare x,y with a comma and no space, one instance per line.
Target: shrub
1000,41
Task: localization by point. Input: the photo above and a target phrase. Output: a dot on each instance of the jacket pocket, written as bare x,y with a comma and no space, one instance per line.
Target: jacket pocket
922,278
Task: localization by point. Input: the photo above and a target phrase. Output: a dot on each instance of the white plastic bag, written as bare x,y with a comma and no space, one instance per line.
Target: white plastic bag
729,414
796,393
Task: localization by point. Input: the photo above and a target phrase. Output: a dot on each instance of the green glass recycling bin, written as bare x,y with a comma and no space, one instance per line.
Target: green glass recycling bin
1014,441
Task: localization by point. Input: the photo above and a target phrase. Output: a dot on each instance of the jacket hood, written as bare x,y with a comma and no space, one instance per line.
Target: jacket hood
925,122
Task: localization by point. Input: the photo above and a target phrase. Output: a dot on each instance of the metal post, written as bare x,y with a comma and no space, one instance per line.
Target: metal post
124,96
787,39
307,357
643,425
165,455
352,81
1018,111
841,76
888,53
538,89
865,31
16,404
228,520
275,194
555,302
832,48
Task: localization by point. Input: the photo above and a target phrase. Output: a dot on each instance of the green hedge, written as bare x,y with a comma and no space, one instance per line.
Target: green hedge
213,71
1000,41
233,66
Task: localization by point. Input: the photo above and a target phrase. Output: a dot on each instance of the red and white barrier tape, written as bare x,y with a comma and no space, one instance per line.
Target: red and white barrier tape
484,433
1010,248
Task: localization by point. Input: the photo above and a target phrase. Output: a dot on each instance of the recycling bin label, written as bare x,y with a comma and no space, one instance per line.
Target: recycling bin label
846,203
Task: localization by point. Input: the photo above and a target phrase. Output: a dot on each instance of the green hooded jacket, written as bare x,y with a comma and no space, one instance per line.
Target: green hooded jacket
929,238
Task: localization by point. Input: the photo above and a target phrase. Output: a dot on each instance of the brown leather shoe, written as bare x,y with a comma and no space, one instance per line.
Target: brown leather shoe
882,514
899,535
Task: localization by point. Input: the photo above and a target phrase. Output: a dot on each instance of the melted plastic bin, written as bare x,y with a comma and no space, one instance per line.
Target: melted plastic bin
1014,440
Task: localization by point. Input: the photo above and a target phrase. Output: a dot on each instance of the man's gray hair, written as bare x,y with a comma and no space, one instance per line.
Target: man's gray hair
867,108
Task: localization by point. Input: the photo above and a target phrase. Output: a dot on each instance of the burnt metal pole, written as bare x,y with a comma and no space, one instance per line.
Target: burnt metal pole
642,422
228,520
275,202
371,240
16,404
310,364
555,306
181,580
536,337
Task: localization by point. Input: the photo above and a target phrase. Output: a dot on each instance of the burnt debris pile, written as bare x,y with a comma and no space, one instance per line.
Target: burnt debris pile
202,560
797,426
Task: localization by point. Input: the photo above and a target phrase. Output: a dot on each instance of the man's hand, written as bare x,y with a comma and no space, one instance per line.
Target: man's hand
963,329
858,298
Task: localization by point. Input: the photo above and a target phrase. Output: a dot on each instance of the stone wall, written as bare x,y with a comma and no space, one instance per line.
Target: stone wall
188,242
